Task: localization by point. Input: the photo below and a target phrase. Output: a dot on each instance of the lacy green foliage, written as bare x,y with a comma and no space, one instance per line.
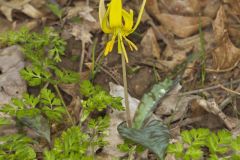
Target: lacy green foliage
16,147
97,99
46,104
220,145
75,144
44,51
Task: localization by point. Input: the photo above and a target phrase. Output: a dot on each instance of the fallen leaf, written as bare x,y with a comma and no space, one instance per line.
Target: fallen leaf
82,10
226,55
81,32
38,124
182,26
7,8
150,47
11,83
117,117
154,136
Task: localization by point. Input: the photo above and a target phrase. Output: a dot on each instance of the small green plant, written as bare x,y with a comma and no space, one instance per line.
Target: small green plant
220,145
16,147
96,99
44,51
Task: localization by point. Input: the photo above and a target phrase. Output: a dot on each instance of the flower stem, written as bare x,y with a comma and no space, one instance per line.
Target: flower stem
64,105
129,122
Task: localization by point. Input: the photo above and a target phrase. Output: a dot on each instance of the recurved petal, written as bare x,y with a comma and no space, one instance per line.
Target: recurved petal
139,16
101,11
128,20
105,23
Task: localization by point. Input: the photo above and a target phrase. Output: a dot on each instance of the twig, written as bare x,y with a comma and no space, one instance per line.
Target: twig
82,57
209,88
229,90
64,105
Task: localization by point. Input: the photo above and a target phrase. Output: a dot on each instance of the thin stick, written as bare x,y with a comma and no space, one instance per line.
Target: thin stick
82,57
129,122
209,88
64,105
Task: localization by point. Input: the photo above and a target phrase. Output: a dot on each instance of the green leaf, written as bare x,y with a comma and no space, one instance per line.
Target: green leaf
176,149
55,9
16,147
225,137
155,136
187,137
194,153
5,121
35,76
150,101
55,114
37,123
212,143
86,88
236,144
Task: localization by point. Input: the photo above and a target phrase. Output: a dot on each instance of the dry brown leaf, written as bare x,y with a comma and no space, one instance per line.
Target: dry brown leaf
182,26
152,8
212,107
226,55
150,47
183,6
7,8
117,117
82,10
11,83
81,32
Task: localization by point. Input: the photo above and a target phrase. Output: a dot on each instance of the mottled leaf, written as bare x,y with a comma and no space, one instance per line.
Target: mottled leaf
154,136
37,123
150,101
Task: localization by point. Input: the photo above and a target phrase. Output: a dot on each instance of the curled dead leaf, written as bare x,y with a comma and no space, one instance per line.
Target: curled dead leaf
150,47
226,55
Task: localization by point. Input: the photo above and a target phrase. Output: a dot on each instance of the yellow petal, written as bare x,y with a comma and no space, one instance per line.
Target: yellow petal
128,20
115,14
101,11
105,24
139,16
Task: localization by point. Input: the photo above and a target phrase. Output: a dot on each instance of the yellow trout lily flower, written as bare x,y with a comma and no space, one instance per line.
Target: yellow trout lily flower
119,23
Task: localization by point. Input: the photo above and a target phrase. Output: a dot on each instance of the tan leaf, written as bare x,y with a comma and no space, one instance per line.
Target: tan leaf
80,32
8,6
182,26
31,11
150,47
11,83
82,10
226,55
7,12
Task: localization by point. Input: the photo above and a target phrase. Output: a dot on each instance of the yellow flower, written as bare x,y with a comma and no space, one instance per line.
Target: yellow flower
119,23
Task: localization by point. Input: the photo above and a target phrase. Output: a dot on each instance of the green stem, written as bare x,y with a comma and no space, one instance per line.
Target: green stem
64,105
129,122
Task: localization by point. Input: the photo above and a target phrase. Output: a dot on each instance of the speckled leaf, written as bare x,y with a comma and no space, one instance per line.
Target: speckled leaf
150,101
37,123
154,136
